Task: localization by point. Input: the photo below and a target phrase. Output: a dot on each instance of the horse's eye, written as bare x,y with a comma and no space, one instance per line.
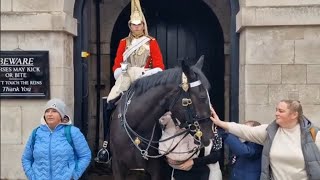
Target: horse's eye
203,95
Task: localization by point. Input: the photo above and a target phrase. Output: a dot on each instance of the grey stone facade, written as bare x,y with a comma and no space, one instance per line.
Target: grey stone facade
279,56
34,25
279,59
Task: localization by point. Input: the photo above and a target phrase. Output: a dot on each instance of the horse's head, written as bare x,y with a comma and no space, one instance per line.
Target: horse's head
192,106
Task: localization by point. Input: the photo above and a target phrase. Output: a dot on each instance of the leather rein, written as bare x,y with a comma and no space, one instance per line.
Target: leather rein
190,126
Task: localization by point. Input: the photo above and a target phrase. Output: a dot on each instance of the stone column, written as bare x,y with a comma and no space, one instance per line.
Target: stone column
279,56
35,25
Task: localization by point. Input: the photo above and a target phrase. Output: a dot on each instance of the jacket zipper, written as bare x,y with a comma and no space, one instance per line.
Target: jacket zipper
50,160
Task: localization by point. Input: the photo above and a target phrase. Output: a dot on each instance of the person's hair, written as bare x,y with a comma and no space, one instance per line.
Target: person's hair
294,106
253,123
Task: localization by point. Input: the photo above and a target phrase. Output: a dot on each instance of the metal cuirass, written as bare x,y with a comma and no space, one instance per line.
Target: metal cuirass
139,57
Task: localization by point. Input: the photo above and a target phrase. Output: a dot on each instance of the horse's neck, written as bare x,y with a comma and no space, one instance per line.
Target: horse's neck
152,104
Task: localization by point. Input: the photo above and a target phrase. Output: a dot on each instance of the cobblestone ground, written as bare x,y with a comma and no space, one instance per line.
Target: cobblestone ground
132,176
104,173
135,175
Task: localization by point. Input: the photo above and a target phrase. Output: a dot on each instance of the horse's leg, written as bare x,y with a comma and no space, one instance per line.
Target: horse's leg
158,169
119,171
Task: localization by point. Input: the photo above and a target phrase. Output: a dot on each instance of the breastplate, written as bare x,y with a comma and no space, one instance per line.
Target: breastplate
139,57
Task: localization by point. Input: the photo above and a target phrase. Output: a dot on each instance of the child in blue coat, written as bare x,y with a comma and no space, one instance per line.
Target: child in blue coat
247,160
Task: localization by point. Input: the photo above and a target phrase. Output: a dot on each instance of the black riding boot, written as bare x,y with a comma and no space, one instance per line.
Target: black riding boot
107,112
104,155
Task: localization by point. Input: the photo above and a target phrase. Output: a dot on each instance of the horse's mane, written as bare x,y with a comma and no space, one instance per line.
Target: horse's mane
169,76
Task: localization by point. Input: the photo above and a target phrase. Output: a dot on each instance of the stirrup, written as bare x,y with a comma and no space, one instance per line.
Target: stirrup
103,155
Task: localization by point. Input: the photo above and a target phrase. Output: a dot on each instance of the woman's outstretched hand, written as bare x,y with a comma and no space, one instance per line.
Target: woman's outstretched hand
216,120
214,117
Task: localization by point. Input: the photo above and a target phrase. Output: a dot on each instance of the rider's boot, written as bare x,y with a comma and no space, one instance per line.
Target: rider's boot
103,155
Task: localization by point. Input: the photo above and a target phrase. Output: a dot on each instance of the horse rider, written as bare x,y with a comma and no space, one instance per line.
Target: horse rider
138,55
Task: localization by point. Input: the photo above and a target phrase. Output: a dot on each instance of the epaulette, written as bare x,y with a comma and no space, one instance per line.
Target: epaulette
152,38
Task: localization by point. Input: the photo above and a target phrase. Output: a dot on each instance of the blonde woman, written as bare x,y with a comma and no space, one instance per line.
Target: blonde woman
291,143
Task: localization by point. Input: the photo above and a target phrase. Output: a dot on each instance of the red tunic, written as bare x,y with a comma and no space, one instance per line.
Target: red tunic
155,57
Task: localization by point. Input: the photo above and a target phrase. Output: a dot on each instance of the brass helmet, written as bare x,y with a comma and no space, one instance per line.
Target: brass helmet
137,16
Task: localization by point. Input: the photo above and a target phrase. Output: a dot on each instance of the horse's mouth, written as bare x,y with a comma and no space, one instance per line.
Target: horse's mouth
206,142
197,118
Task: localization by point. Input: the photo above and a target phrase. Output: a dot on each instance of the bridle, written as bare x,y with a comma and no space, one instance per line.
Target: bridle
192,120
190,126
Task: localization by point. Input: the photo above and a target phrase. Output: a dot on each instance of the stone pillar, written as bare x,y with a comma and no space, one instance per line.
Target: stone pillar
279,56
35,25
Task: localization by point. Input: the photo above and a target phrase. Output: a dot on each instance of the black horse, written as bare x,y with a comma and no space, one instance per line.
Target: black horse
135,129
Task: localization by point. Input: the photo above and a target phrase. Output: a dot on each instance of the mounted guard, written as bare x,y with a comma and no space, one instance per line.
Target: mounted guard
135,130
138,55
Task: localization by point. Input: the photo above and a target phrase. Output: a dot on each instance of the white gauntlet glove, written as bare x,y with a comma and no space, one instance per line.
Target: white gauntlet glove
151,72
117,73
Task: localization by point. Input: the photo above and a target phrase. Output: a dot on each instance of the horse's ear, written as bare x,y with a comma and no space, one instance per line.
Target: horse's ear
185,67
199,64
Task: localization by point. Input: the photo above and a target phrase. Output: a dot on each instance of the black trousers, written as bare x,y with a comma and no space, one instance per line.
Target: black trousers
107,112
195,173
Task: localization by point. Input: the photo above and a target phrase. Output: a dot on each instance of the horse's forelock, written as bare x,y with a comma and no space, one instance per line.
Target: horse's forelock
201,77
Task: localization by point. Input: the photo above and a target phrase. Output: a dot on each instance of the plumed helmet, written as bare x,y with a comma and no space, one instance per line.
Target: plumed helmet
137,16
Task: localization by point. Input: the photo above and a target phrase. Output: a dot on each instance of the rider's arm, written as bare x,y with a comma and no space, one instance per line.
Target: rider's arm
119,56
155,59
156,56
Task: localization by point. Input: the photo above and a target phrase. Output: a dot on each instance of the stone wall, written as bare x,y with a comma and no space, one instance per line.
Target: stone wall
279,57
35,25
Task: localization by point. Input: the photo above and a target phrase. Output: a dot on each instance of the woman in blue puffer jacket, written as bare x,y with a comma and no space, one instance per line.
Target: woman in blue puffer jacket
49,154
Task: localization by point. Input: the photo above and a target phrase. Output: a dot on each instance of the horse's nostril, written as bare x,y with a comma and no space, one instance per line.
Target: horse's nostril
206,142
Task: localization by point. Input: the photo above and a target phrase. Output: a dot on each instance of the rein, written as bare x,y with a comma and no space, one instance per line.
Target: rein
191,125
137,141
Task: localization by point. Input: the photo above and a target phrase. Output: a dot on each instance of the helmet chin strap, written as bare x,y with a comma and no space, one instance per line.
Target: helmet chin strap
137,34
